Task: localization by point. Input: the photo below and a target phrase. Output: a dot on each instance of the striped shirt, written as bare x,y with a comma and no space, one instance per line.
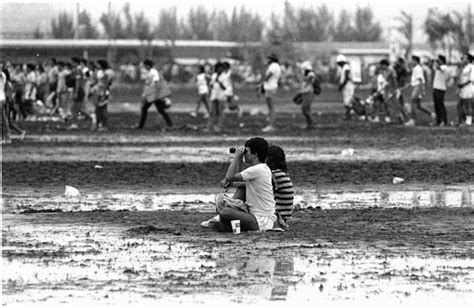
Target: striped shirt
283,193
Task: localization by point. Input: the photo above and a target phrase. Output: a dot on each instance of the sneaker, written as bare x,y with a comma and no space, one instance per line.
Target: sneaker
410,122
268,128
208,223
468,120
387,120
193,114
375,119
433,116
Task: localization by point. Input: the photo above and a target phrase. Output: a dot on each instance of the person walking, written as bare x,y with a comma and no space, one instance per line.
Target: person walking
307,93
103,80
270,87
418,91
155,91
439,90
346,86
217,99
202,82
466,90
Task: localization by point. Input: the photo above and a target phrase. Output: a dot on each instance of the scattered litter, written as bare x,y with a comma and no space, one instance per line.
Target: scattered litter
98,167
241,124
72,192
347,152
397,180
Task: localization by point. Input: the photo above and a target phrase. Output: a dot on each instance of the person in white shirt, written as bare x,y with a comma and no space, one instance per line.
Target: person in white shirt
155,91
441,76
202,82
218,98
466,90
270,88
346,86
231,99
253,202
418,91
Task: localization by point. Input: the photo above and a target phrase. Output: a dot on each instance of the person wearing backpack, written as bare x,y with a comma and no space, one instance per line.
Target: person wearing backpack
307,93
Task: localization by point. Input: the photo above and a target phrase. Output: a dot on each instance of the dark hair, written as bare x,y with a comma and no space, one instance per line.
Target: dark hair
54,61
469,57
258,146
103,64
384,62
218,65
75,60
276,158
416,59
60,63
226,65
442,59
31,66
148,62
201,69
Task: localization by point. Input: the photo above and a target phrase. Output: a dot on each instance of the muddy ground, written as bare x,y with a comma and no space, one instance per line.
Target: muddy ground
58,254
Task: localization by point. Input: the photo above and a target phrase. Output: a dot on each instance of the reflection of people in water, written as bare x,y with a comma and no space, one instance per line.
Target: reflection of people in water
278,269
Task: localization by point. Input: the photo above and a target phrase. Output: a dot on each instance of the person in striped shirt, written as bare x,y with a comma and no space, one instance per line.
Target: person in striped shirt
283,190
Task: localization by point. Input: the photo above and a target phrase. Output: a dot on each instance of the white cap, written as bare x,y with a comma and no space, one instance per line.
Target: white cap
341,58
306,65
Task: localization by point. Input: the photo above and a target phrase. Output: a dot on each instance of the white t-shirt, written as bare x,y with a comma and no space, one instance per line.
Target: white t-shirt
3,82
259,194
226,79
417,75
272,82
381,82
467,74
201,82
440,78
217,93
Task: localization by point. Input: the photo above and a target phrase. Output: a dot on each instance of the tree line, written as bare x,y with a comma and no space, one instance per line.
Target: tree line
295,23
444,29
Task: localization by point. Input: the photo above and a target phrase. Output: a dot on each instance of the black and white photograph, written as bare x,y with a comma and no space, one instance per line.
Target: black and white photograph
237,153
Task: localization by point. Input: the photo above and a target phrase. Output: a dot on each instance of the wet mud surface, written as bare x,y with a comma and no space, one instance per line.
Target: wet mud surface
355,238
359,256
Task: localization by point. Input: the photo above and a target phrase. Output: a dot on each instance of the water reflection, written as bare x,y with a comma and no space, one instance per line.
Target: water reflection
447,197
266,277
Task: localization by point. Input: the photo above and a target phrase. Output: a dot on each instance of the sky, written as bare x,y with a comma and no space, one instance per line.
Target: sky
385,11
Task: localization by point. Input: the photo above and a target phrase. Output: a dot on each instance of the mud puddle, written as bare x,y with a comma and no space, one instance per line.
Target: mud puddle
46,264
28,203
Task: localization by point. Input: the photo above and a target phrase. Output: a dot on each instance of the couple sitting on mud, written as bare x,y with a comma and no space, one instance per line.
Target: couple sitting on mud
264,192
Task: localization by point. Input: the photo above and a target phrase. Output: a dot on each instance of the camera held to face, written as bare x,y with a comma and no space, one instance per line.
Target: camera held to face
232,150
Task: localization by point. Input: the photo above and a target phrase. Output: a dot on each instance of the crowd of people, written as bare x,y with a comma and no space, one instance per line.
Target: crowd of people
399,89
71,90
80,89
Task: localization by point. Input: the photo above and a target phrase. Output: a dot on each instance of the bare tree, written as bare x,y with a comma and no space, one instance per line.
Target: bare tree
366,29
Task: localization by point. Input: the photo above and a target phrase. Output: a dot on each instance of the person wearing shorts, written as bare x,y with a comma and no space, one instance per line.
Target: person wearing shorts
418,91
270,87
